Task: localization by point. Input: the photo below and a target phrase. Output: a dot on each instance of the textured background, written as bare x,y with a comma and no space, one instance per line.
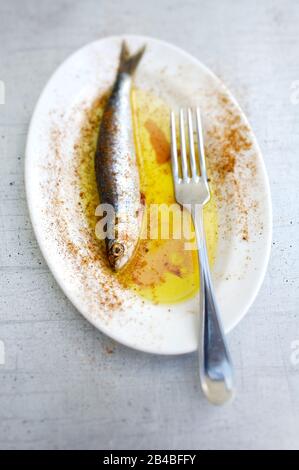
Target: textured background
65,385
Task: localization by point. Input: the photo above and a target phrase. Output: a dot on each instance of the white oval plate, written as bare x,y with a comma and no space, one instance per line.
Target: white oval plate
240,265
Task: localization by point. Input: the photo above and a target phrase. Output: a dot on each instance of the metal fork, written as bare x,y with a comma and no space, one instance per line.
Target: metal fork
192,189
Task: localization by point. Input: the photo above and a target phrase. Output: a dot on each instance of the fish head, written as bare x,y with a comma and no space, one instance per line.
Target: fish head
119,254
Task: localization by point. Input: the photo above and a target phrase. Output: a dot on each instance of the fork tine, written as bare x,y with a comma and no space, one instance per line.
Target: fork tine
201,151
191,144
183,146
174,151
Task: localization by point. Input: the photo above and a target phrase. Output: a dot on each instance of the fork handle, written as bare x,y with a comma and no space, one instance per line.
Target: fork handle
215,366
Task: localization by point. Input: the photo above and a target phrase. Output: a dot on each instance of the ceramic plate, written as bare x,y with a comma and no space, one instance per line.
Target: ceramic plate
243,198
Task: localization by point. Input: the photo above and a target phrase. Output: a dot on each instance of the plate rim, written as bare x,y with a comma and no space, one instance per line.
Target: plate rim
38,233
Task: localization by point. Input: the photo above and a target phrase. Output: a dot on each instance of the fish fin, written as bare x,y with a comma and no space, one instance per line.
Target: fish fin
128,63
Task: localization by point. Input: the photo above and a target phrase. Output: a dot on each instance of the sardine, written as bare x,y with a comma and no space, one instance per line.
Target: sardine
116,166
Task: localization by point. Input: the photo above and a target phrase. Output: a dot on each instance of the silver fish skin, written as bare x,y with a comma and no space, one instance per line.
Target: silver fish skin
116,166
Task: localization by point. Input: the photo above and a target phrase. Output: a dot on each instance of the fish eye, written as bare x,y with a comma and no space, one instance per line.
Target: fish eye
117,250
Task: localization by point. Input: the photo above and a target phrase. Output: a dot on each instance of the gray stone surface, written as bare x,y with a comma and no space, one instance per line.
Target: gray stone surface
64,385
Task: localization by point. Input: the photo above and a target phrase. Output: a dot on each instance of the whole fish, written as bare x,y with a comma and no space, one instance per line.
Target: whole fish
116,166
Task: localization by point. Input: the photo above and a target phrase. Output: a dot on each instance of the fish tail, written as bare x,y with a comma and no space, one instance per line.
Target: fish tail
127,62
